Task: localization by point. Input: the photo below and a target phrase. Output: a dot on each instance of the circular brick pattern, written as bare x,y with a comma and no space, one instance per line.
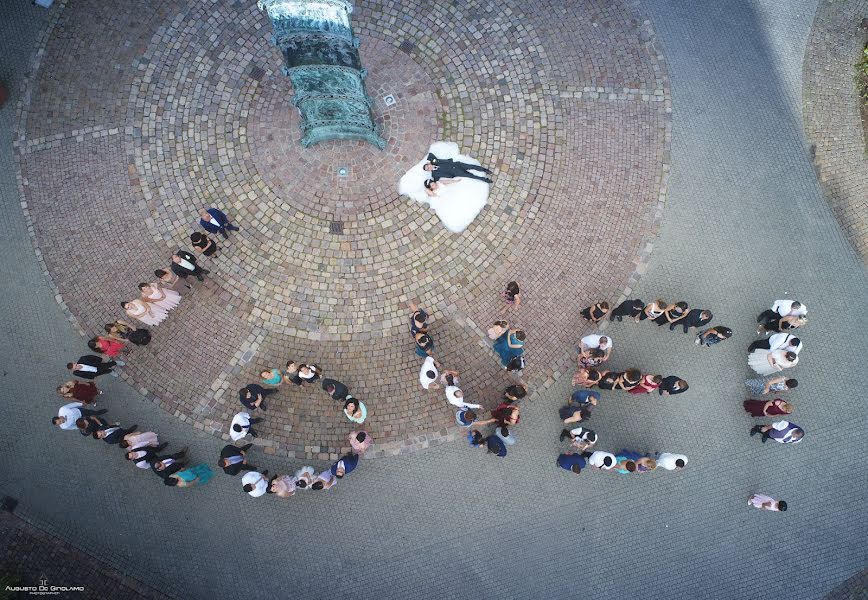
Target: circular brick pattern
568,107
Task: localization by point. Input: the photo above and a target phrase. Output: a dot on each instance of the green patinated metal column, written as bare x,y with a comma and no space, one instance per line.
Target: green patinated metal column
321,59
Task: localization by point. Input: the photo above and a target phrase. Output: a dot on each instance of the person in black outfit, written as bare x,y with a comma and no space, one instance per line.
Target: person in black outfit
204,244
184,264
90,424
672,385
335,389
93,366
112,434
628,308
233,460
446,168
253,396
695,318
596,312
164,466
514,393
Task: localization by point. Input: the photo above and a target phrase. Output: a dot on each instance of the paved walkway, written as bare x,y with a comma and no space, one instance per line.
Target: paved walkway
449,523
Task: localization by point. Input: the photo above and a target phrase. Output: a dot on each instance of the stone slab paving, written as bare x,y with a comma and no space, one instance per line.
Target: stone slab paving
832,117
449,523
325,264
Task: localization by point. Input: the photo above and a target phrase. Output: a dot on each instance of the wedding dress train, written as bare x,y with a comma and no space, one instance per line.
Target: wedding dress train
456,204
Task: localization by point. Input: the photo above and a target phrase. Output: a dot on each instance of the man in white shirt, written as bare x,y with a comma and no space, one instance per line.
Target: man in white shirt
456,398
68,414
779,341
240,426
255,483
605,461
597,341
428,375
789,308
671,462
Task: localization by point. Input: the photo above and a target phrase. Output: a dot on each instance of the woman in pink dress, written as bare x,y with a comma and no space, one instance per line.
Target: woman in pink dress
158,296
144,311
360,441
138,439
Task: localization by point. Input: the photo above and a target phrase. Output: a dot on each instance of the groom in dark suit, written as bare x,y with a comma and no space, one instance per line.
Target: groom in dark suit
446,168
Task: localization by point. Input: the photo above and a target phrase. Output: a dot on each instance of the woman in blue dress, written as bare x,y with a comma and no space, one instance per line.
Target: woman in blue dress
509,345
198,475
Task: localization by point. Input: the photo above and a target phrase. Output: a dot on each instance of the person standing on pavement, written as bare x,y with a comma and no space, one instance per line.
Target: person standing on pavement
604,461
767,408
84,392
140,439
778,341
672,385
253,396
202,244
233,460
241,426
213,220
428,374
255,483
355,410
671,462
345,465
198,475
69,414
514,393
594,340
113,434
164,466
696,317
582,438
456,398
596,312
572,462
766,503
184,264
773,383
628,308
360,441
782,432
171,281
712,336
90,366
335,389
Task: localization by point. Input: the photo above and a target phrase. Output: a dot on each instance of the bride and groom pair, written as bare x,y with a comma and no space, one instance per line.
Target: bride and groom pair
451,183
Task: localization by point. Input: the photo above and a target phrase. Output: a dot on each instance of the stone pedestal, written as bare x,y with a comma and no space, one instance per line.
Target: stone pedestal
321,59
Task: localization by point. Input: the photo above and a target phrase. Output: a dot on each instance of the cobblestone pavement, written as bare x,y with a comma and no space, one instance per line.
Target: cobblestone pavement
449,523
35,559
831,113
142,121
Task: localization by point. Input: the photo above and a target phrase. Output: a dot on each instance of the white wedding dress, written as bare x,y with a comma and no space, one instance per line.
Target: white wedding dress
456,204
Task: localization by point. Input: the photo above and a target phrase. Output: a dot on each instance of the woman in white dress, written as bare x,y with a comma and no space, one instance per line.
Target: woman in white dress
456,201
161,299
141,311
768,362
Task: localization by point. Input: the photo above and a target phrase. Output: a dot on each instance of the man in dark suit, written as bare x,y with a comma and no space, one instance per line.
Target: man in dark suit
215,221
171,463
233,460
446,168
90,366
184,264
335,389
112,434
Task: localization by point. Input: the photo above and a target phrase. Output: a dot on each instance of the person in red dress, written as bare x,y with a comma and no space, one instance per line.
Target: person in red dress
107,346
648,384
770,408
82,391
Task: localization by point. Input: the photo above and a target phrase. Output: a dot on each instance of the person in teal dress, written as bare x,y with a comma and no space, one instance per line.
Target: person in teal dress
509,345
271,377
198,475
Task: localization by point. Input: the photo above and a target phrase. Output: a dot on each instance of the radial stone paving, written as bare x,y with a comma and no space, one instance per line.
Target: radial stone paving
143,112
